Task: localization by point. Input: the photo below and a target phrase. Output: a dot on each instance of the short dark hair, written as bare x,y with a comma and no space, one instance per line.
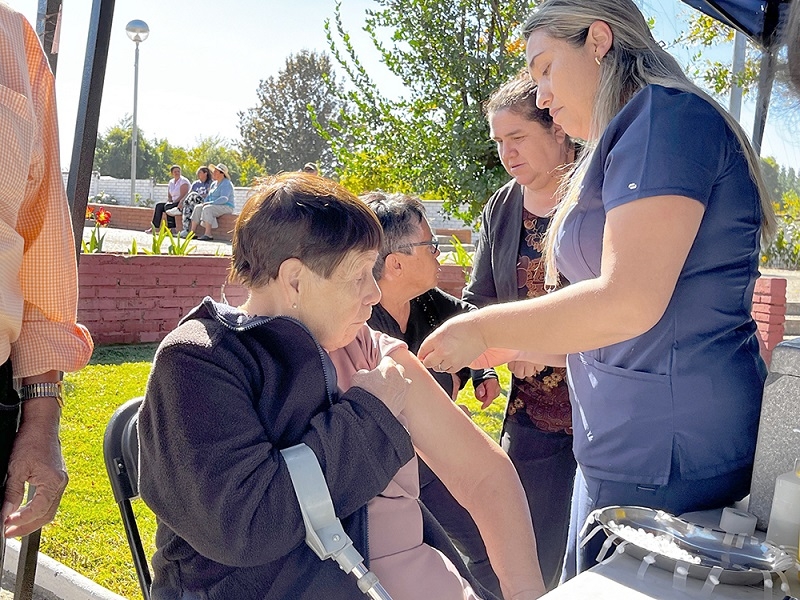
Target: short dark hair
303,216
400,216
519,96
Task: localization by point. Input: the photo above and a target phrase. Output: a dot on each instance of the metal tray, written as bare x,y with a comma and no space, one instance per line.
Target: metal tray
743,559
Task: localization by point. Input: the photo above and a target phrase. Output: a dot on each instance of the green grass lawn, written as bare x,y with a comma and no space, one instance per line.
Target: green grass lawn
87,534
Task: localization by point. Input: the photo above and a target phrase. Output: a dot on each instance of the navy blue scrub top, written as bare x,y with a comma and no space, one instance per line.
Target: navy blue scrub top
691,386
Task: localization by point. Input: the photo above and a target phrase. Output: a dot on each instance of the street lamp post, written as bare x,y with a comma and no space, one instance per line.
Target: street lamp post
137,31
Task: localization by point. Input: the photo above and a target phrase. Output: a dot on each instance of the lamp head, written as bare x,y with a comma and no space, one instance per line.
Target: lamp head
137,30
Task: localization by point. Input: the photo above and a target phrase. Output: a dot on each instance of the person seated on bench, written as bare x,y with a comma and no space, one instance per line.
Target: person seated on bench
296,363
197,194
176,192
218,202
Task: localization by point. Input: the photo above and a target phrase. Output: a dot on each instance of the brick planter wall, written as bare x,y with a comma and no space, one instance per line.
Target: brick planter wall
134,299
769,312
138,219
126,300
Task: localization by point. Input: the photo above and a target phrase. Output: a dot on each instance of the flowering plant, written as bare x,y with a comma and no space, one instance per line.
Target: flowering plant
102,217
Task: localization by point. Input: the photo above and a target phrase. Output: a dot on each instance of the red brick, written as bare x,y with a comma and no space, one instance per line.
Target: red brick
771,286
117,292
104,304
164,314
151,336
761,317
99,279
174,302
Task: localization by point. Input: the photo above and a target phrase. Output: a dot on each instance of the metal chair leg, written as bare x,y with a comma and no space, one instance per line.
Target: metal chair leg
26,568
28,559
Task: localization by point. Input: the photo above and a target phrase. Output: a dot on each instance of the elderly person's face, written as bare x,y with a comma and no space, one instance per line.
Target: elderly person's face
567,79
176,173
421,264
336,307
529,152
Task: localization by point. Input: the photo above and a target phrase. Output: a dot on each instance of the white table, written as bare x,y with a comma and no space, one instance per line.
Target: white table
617,580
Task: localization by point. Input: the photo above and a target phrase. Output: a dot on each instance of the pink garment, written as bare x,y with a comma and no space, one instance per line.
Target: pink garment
407,568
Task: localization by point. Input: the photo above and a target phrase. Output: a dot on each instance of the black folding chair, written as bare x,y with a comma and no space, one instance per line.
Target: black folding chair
121,454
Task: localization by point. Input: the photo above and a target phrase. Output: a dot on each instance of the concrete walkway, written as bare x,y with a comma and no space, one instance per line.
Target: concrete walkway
118,241
54,581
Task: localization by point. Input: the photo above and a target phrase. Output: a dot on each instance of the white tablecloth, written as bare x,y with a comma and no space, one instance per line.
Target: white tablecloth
617,580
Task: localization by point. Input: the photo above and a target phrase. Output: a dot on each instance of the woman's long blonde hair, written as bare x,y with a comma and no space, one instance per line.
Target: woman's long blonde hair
634,61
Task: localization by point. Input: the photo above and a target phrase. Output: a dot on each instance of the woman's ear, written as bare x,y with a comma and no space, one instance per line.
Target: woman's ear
290,275
393,267
559,134
599,39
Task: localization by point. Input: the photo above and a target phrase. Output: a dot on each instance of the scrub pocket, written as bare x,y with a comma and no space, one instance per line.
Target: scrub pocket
623,421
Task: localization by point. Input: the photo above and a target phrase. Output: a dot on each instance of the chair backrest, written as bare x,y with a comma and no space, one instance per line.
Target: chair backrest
121,455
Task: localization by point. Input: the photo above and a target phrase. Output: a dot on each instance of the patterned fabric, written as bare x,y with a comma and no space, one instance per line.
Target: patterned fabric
195,196
543,399
38,272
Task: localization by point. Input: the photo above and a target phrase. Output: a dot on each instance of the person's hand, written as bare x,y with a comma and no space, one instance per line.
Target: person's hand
36,459
452,346
522,368
386,382
487,391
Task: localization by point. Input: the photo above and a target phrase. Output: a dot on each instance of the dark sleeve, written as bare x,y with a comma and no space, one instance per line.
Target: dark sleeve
212,475
665,142
481,291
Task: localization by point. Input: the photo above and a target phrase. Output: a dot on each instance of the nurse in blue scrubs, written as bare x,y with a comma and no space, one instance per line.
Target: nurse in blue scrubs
659,233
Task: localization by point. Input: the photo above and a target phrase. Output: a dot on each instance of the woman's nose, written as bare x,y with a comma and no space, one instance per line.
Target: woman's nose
543,96
373,294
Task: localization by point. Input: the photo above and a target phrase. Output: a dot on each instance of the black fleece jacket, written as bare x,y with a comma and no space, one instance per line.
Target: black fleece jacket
226,393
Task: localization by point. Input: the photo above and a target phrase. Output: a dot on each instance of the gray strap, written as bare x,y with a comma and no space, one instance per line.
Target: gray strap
324,532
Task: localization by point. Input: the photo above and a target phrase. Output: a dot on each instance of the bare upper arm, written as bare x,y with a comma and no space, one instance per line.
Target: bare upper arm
441,432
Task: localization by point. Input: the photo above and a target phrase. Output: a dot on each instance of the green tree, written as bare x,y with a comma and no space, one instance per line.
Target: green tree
450,55
278,132
169,155
716,75
112,155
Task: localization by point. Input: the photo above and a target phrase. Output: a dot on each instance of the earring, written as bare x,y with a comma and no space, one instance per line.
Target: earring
294,306
597,60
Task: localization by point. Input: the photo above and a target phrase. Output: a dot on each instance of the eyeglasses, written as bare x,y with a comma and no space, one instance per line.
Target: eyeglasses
433,243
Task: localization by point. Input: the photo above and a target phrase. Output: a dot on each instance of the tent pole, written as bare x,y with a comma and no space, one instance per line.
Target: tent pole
766,77
94,72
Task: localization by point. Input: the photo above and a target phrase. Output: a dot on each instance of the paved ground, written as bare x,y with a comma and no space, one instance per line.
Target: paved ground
119,241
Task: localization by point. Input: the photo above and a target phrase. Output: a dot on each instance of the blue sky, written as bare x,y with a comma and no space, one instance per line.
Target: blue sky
204,59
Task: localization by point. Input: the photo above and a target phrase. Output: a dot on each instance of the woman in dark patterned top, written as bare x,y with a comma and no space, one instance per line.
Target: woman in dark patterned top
537,430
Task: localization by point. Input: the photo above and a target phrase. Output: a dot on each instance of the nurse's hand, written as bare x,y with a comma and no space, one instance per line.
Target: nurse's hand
387,382
453,346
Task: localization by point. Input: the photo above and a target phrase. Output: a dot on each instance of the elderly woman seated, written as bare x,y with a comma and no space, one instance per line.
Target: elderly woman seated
295,363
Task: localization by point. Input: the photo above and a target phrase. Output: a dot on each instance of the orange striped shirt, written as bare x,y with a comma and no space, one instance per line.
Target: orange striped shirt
38,271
